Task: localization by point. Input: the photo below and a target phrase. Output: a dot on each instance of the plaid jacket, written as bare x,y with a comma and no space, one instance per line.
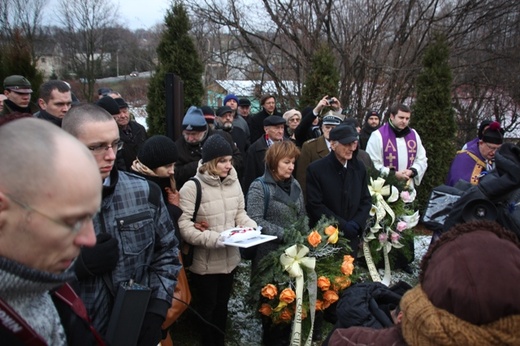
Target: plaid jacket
148,248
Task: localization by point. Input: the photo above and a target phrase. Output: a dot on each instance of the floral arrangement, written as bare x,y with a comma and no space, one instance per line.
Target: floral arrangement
305,275
392,219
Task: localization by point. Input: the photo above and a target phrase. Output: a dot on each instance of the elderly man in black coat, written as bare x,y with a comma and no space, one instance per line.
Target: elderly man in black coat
337,186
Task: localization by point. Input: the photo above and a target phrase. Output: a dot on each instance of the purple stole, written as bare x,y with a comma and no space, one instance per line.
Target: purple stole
390,155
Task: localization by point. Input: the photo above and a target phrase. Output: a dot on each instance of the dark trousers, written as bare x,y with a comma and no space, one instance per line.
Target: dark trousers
210,296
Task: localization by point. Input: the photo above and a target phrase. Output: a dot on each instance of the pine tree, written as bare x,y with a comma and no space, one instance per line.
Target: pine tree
15,59
322,79
177,54
433,116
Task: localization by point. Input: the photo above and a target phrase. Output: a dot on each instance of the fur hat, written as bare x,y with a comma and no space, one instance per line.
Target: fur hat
194,120
109,104
230,97
158,151
292,113
493,134
215,146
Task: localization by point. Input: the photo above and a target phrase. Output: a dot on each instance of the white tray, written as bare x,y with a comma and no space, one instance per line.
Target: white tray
262,238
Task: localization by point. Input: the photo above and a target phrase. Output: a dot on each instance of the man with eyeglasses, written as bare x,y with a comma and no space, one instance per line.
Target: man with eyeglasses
136,239
45,220
478,158
18,91
225,121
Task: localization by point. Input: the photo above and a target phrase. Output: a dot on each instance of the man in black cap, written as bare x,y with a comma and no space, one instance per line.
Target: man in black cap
242,118
131,133
371,123
337,186
274,127
244,110
18,91
225,121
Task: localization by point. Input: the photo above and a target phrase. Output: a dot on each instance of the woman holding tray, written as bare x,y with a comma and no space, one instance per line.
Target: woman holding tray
275,202
221,208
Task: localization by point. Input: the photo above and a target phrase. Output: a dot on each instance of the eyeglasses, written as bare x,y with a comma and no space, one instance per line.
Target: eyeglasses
491,148
75,227
294,120
102,148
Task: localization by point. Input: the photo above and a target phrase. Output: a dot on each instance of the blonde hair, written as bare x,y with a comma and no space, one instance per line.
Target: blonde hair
211,166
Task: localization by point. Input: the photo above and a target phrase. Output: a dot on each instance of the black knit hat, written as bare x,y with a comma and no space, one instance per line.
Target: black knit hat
158,151
109,104
215,146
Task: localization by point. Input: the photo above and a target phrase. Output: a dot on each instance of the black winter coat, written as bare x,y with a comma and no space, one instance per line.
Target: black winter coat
257,124
339,193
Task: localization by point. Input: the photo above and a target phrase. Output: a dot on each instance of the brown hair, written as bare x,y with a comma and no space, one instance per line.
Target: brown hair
265,98
278,151
396,107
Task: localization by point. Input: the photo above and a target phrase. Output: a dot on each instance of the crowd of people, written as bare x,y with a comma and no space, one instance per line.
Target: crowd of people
109,207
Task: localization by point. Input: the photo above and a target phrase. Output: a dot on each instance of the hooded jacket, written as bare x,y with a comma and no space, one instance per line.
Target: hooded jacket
222,207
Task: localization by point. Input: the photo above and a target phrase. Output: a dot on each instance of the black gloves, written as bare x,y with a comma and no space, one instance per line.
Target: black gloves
151,331
97,260
350,229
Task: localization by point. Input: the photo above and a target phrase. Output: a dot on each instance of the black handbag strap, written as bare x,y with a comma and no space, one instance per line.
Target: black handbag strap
197,198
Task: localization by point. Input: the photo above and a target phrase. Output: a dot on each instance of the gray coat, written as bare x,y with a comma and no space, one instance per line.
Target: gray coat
282,211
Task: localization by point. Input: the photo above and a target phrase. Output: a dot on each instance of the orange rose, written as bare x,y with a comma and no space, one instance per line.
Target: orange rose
314,238
265,309
342,282
319,305
323,283
287,296
325,305
330,297
286,315
269,291
348,259
347,268
330,230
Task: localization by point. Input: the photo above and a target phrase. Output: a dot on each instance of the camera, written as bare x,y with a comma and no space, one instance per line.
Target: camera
331,101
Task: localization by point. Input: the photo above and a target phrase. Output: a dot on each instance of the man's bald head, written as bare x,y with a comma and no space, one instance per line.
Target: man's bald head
29,159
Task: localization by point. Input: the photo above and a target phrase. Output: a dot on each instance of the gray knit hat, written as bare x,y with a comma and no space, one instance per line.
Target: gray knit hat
215,146
194,120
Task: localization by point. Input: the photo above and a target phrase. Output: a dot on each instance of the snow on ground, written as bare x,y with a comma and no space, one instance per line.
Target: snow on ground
244,327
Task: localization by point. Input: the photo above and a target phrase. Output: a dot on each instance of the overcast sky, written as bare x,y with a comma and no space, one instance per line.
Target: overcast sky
134,14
